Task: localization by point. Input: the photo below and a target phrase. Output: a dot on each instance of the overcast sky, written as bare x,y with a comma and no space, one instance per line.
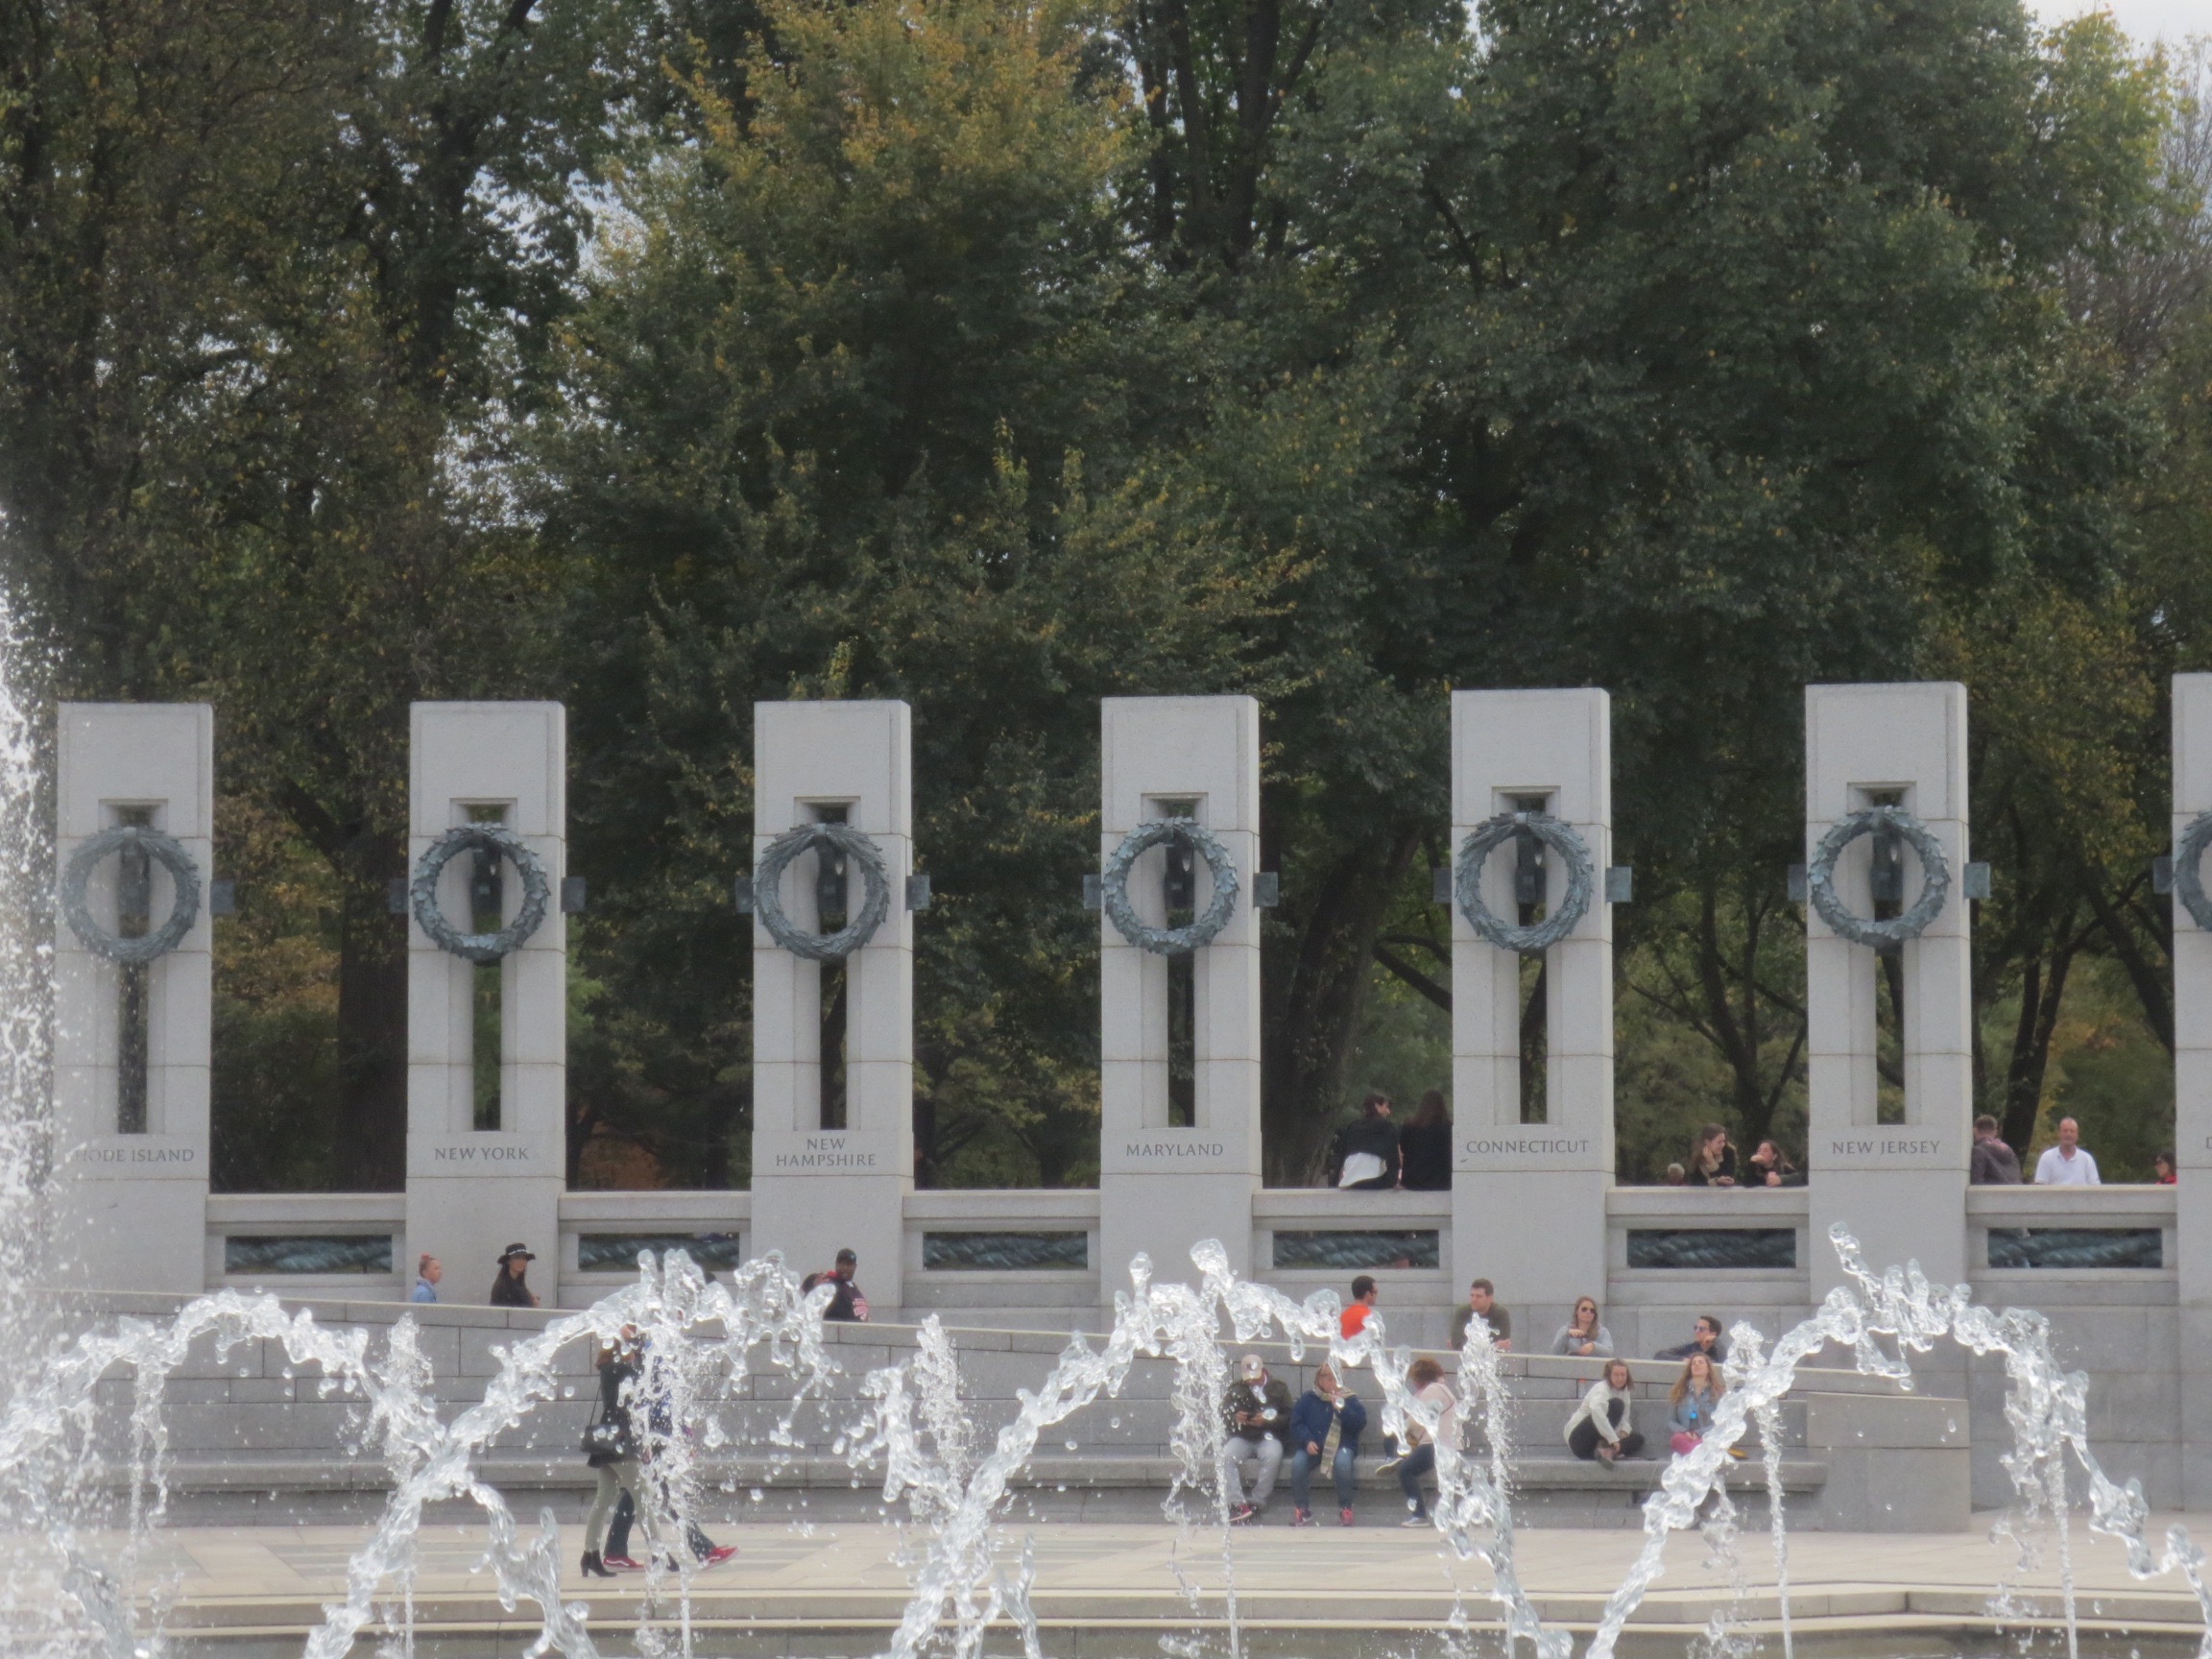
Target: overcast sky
2147,20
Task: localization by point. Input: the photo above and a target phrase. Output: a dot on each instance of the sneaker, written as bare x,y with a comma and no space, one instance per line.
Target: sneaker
1344,1517
1415,1521
623,1564
1242,1513
1301,1517
720,1553
1388,1463
1738,1453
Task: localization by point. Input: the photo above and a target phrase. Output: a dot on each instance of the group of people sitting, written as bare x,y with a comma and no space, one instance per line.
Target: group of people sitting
1603,1426
1713,1163
1373,1153
1265,1427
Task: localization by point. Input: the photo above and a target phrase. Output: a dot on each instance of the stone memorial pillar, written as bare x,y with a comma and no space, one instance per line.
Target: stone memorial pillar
1179,1014
833,997
1900,1186
487,991
2193,1083
1530,1178
134,831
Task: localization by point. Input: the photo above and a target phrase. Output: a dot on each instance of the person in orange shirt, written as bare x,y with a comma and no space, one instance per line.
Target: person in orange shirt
1354,1319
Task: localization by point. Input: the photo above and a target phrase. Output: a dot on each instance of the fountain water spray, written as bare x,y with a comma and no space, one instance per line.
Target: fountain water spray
701,1337
700,1340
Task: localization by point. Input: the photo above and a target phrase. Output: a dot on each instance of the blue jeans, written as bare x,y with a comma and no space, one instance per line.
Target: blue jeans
1302,1465
1418,1462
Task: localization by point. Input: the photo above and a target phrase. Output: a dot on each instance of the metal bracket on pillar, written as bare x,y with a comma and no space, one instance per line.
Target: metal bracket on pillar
918,894
1441,885
1266,889
1094,891
741,894
1975,884
223,895
2162,875
1619,884
574,895
1799,888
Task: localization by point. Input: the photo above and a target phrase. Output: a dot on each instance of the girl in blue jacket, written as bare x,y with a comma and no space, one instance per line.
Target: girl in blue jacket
1325,1427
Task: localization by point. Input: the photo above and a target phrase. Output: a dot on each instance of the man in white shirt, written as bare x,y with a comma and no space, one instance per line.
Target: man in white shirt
2067,1163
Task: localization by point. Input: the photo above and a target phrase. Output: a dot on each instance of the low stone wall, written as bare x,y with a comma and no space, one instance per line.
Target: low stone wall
252,1440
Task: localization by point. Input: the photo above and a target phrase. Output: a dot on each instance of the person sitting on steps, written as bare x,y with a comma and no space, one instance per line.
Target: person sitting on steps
1584,1337
1258,1417
1601,1427
1693,1400
1325,1429
1354,1319
1426,1378
1704,1338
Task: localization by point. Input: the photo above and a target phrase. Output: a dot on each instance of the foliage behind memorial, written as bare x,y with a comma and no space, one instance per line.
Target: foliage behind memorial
1001,355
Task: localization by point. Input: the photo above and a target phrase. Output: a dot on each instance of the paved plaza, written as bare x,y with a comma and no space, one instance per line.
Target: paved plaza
843,1582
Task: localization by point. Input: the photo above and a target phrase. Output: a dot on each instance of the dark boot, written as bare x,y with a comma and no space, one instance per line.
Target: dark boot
594,1568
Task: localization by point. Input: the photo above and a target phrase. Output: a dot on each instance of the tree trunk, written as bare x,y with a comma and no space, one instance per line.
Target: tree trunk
1313,1002
371,1122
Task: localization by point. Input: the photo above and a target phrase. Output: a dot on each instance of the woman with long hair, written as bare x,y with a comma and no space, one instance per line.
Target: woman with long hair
1602,1427
1584,1337
1425,1146
1770,1166
1693,1401
512,1288
1713,1161
1426,1378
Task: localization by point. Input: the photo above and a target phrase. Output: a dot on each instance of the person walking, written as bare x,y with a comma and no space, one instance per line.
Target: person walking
1585,1336
1363,1156
2067,1163
1258,1417
1325,1429
1602,1426
428,1271
659,1428
612,1446
1992,1162
1693,1401
1425,1146
1426,1378
512,1288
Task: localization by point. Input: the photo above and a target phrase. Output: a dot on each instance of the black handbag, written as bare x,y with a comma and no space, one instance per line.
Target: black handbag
607,1437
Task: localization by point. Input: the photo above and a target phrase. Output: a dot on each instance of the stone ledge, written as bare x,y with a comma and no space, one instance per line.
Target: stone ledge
1056,1471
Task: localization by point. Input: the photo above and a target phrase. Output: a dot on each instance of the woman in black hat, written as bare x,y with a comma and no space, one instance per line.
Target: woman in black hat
512,1289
